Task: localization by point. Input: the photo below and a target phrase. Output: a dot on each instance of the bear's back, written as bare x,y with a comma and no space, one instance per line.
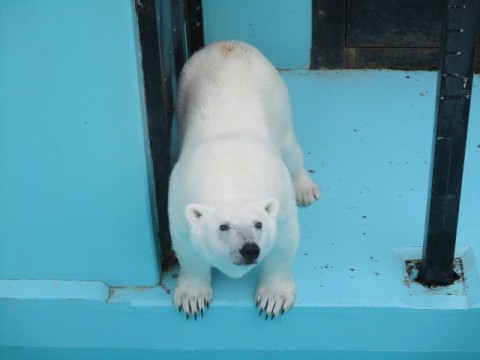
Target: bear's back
230,87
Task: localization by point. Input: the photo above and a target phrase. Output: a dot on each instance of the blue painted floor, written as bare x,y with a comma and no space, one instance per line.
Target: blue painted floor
368,136
367,139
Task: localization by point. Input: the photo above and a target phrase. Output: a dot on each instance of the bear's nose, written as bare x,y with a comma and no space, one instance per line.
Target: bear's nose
250,251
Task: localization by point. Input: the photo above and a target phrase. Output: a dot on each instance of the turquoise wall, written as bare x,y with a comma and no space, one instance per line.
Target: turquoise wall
74,183
281,29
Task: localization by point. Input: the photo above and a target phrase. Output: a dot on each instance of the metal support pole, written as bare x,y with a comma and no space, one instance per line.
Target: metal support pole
459,35
158,103
194,26
170,31
188,37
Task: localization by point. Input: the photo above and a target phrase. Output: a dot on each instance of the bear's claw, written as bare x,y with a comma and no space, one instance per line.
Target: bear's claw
192,299
270,313
194,310
274,301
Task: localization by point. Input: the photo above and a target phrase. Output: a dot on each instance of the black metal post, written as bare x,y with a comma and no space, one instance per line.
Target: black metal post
188,37
194,26
179,39
170,31
158,99
459,34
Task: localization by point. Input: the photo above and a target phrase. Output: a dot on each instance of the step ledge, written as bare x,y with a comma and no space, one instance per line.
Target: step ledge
54,290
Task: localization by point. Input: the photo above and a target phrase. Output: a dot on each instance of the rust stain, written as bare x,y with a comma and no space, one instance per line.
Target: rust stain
166,288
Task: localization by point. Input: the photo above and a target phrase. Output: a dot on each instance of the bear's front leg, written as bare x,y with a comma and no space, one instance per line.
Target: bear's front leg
276,290
193,291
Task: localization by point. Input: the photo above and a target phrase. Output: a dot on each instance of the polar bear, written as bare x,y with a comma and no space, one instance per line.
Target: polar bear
239,174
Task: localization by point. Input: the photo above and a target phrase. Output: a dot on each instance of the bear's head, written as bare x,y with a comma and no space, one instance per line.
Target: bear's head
233,236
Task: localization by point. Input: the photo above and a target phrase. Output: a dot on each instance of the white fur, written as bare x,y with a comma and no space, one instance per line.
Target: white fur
239,165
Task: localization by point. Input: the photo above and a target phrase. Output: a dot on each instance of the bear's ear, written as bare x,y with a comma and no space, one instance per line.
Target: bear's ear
194,212
271,207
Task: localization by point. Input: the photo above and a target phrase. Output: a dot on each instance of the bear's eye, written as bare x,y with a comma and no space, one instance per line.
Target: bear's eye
258,225
224,227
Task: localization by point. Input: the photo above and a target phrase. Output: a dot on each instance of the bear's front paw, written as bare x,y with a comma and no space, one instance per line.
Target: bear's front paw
306,191
192,298
275,298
